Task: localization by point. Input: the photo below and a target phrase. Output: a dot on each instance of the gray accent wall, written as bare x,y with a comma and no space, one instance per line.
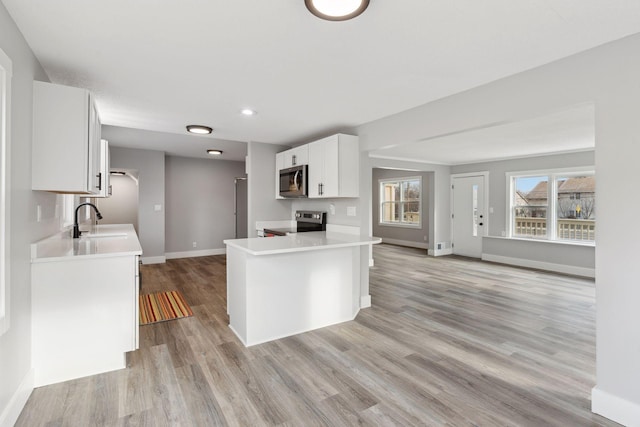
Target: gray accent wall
200,203
16,379
417,237
578,259
151,184
498,181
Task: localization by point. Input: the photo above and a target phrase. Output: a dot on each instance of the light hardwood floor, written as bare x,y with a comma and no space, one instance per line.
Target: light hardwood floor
448,341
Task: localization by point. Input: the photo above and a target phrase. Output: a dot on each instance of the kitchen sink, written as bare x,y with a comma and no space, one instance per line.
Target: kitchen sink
102,235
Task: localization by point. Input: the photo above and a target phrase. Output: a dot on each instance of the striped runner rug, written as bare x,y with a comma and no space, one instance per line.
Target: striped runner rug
163,306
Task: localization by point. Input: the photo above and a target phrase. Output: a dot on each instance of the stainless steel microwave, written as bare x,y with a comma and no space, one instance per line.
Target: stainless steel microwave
293,181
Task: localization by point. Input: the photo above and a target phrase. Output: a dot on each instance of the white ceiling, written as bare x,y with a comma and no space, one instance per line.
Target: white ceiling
158,65
561,132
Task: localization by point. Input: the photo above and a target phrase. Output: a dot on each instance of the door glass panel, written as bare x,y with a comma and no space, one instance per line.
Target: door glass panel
474,195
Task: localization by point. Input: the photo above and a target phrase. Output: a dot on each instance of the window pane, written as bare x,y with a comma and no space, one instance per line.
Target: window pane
411,212
530,202
390,212
575,207
400,201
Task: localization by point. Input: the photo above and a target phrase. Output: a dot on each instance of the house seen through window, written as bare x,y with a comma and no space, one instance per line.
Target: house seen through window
556,206
400,202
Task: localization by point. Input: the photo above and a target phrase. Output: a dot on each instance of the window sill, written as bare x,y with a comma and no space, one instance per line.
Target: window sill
386,224
557,242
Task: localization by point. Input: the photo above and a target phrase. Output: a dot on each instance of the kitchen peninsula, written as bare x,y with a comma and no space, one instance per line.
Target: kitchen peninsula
282,286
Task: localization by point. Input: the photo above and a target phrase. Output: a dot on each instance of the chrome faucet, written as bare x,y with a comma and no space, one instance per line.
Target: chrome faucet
76,228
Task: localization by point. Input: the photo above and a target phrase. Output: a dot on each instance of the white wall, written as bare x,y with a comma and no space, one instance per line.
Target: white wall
200,203
16,379
261,186
122,206
606,76
151,182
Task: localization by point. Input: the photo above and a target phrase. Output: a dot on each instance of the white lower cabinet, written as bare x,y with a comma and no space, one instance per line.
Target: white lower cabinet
85,316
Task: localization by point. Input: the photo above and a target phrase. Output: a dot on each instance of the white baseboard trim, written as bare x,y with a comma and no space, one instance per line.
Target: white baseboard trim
541,265
153,260
13,409
193,254
615,408
407,243
365,301
440,252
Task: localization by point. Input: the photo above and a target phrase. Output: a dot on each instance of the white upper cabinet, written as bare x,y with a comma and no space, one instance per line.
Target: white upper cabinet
334,167
66,141
296,156
279,165
105,167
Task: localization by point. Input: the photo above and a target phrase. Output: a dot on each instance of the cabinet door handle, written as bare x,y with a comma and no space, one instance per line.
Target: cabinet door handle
321,189
293,160
99,176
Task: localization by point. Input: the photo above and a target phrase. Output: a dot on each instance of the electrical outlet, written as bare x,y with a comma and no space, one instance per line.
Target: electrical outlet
195,244
351,211
425,238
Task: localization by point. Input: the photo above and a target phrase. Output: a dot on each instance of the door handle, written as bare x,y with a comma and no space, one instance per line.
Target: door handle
99,176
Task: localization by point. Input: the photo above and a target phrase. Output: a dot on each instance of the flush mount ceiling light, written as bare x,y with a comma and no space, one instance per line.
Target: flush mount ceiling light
199,129
247,112
117,173
215,152
336,10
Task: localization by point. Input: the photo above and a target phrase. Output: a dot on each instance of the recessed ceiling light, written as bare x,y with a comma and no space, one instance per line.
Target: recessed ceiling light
199,129
336,10
214,152
248,112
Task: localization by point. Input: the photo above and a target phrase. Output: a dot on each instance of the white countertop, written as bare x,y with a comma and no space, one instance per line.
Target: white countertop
104,241
311,241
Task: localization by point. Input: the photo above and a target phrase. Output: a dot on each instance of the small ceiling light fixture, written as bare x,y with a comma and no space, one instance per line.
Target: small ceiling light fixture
336,10
199,129
117,173
215,152
247,112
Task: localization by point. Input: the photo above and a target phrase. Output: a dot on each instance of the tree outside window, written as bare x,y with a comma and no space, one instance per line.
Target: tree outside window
400,202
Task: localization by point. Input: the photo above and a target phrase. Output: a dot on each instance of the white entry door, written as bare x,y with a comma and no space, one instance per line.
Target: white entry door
469,218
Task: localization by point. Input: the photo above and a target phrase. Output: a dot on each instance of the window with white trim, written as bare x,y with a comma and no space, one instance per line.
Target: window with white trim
553,205
400,201
5,108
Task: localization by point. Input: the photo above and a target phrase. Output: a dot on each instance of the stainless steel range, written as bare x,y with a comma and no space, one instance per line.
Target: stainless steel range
305,221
